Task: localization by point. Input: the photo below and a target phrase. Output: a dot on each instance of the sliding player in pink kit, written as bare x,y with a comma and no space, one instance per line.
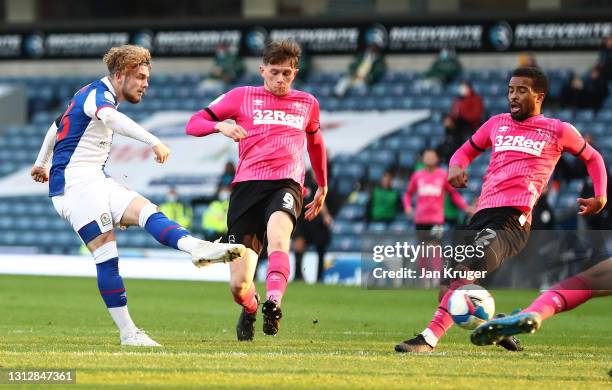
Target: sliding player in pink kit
525,149
564,296
430,186
272,123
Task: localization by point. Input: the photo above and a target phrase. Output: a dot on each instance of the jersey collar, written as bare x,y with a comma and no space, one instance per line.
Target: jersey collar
107,82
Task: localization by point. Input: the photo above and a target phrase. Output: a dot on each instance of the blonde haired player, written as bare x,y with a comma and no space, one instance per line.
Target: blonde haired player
80,142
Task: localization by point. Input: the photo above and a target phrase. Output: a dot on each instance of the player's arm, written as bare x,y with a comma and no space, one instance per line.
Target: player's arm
211,119
464,156
318,161
572,142
100,105
407,199
122,124
40,170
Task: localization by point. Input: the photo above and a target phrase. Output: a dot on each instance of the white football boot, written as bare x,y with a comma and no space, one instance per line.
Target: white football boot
215,252
138,338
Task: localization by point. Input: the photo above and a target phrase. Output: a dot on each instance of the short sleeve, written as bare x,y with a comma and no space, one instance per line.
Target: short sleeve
314,123
481,139
571,140
96,100
226,106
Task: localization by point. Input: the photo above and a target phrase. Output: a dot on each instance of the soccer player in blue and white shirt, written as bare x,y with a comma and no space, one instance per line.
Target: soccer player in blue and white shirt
80,142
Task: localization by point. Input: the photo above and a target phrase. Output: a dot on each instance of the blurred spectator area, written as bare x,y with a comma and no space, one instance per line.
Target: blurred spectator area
31,222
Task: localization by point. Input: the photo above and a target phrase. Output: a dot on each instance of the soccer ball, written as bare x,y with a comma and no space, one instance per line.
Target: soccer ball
471,306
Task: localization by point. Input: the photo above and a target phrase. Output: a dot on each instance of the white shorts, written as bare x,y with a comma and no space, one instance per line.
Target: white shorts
94,208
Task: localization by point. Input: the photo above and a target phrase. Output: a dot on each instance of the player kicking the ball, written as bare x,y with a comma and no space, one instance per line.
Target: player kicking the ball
564,296
272,123
525,149
80,142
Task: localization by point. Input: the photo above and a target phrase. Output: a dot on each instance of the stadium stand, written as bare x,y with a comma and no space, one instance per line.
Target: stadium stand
35,226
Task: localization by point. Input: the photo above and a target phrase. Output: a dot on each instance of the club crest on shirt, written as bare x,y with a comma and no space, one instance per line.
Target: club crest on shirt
503,128
543,133
105,219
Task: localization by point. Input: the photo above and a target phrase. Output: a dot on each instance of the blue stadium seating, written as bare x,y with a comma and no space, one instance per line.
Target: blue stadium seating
36,217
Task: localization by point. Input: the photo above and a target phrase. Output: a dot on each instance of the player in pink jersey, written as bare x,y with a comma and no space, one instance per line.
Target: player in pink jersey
525,148
564,296
272,124
430,186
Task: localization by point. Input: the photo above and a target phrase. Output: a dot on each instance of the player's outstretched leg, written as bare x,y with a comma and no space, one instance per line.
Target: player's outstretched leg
170,233
564,296
441,322
242,272
113,292
280,226
498,329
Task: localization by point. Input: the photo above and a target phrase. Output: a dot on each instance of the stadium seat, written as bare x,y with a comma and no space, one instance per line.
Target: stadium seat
347,243
352,212
344,186
585,115
377,227
407,159
5,222
383,157
414,144
376,171
353,170
408,103
605,115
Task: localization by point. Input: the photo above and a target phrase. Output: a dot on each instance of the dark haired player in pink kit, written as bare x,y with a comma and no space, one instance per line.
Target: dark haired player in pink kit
272,124
430,185
525,149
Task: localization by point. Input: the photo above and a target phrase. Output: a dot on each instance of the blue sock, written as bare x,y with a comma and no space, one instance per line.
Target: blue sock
110,283
165,230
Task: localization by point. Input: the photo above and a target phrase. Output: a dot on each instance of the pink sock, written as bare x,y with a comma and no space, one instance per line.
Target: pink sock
563,296
442,321
277,276
247,300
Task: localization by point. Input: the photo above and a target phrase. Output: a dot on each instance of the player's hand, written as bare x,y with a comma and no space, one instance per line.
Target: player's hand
408,214
591,206
470,210
313,208
161,153
234,132
39,174
328,220
457,177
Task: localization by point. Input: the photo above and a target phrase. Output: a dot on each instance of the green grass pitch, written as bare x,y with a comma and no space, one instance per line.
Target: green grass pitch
331,337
